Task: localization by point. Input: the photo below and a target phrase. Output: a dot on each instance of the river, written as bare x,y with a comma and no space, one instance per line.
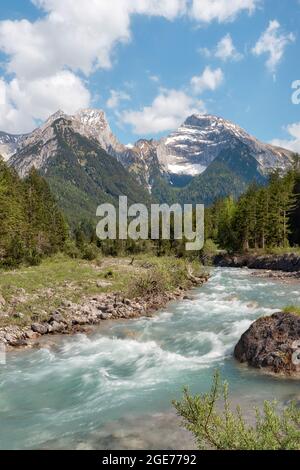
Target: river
113,389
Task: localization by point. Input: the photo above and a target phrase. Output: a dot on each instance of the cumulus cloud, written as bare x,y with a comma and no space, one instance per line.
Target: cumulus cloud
221,10
167,111
81,35
293,143
73,38
76,34
209,80
46,56
226,50
22,102
273,42
116,97
171,107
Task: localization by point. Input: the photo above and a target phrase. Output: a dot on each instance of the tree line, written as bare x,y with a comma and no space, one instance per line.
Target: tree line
263,217
31,224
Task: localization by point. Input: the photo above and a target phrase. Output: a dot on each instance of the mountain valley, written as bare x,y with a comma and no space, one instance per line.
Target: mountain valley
206,158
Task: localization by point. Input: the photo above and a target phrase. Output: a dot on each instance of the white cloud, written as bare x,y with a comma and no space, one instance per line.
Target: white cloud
168,110
154,78
169,9
10,119
293,143
116,97
46,57
273,42
226,50
82,35
76,34
22,102
205,52
72,35
209,80
171,107
221,10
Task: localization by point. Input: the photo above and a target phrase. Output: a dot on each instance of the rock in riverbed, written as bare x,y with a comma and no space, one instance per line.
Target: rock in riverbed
272,343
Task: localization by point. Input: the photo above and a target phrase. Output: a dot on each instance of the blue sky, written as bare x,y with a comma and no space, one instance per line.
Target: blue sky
149,63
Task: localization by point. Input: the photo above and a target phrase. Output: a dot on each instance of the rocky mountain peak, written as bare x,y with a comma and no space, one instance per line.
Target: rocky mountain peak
179,157
92,123
89,122
92,118
211,124
36,148
59,114
202,137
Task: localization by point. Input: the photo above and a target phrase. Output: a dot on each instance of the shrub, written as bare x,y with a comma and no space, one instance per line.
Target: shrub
149,283
34,257
15,254
292,309
225,429
209,250
89,252
71,249
163,274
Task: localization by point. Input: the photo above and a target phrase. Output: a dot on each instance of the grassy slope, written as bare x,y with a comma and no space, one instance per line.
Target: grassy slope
36,291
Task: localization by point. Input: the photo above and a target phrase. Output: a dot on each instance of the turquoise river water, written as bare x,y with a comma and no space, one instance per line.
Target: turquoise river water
113,389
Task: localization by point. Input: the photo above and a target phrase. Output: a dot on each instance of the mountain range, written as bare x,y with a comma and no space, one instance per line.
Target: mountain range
206,158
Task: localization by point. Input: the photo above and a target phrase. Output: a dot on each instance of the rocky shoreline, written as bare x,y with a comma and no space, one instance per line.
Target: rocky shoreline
73,318
281,276
272,344
287,263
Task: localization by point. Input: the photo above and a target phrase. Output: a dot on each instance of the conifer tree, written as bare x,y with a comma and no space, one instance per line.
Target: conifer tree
31,225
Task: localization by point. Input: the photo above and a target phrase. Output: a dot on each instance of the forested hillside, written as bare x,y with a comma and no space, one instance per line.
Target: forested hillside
31,225
80,173
230,173
263,217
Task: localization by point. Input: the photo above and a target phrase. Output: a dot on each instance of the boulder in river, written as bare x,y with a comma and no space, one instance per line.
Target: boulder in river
272,343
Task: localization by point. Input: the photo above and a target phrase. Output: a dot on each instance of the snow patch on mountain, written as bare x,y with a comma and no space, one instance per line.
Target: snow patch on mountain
186,152
181,167
8,144
201,139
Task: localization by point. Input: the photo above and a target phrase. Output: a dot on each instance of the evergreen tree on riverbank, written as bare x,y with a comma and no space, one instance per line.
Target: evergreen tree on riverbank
264,217
31,224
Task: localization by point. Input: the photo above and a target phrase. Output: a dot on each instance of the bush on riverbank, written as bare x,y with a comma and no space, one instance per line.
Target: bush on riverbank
292,309
163,274
225,429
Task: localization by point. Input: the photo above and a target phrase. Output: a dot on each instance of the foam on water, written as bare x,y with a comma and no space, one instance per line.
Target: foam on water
128,370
